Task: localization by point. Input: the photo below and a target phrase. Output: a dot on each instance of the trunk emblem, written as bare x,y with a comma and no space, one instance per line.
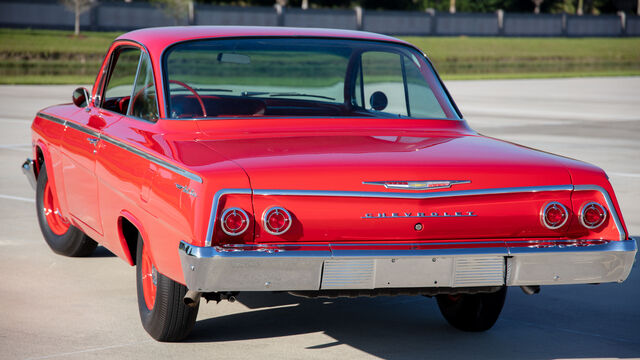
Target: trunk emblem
419,215
417,185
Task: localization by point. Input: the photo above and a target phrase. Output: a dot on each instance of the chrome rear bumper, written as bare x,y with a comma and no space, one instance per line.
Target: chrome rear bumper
373,266
28,169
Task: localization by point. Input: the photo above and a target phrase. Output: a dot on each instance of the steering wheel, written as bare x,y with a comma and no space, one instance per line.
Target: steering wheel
192,90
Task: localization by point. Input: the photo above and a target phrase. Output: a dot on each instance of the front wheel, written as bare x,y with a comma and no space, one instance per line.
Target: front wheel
472,312
160,301
62,237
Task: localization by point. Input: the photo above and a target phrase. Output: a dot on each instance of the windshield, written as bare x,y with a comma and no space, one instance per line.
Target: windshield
262,77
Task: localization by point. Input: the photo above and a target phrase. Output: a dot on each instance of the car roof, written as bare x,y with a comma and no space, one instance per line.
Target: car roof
157,39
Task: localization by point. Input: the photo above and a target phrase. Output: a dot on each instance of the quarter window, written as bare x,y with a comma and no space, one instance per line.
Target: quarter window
143,102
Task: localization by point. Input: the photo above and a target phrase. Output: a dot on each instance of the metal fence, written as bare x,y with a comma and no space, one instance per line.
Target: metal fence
121,16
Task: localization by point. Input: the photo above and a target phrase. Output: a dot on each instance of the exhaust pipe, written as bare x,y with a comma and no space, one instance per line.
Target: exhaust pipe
531,289
192,298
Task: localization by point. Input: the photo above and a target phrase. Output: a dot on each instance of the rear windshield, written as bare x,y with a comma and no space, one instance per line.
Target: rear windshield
259,77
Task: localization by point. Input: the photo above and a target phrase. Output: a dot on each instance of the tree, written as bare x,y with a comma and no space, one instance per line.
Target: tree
537,3
179,10
78,7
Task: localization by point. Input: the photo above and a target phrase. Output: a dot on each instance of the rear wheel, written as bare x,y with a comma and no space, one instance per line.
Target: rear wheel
472,312
62,237
160,301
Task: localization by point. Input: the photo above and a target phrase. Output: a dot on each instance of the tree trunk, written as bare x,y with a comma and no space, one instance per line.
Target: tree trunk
452,6
579,11
77,25
537,3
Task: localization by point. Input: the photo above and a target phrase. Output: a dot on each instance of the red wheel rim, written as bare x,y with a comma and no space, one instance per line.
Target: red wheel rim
148,279
51,208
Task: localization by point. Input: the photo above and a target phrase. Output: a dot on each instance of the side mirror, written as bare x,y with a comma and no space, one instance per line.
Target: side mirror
378,101
81,97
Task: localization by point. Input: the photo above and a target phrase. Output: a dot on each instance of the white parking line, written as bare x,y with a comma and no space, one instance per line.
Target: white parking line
18,198
624,174
16,121
16,147
90,350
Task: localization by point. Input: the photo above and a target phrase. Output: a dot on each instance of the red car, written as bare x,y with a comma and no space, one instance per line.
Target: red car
323,163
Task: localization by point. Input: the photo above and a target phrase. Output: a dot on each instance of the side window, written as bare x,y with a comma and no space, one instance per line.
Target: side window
422,101
394,84
382,73
120,84
144,103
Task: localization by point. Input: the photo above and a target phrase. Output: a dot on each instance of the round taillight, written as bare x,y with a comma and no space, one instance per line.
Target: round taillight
554,215
592,215
276,220
234,221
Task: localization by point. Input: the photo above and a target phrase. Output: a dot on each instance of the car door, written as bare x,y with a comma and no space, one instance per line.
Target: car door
81,142
123,164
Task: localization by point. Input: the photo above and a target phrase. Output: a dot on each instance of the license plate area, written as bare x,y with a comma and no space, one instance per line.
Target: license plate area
404,272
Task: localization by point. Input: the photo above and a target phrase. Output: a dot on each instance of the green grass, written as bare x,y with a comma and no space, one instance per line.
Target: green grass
57,57
478,57
54,43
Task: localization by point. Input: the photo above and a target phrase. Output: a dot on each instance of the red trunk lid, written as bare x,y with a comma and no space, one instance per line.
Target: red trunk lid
340,162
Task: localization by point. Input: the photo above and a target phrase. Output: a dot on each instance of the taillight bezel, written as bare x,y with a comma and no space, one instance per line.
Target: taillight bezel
265,220
582,212
543,213
246,221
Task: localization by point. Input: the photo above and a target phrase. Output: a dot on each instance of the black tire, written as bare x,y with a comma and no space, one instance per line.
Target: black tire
472,312
73,242
169,319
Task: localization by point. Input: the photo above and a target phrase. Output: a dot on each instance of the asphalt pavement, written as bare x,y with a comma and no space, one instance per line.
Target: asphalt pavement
77,308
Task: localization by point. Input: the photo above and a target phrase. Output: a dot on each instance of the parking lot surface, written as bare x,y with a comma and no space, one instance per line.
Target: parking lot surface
77,308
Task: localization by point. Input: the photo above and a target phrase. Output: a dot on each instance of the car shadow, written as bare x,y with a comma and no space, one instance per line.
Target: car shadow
102,252
406,327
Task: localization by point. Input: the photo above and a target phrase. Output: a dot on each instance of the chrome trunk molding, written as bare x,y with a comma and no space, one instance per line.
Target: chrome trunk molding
406,195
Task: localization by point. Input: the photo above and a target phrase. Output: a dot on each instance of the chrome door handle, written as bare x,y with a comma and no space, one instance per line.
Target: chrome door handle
93,140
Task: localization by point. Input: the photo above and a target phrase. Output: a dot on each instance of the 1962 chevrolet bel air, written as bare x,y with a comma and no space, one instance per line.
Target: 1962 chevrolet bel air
323,163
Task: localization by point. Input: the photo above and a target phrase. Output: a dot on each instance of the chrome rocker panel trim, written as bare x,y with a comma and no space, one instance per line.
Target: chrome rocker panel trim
337,266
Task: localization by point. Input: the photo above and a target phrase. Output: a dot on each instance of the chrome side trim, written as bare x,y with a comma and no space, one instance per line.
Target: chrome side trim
51,118
612,209
83,129
160,162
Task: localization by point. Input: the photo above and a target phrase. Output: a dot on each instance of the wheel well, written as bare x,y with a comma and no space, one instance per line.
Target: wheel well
39,161
130,233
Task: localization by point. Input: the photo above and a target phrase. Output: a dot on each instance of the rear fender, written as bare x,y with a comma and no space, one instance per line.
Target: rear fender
127,249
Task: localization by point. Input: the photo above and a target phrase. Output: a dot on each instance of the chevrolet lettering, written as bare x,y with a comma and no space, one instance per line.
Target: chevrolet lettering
317,162
407,215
